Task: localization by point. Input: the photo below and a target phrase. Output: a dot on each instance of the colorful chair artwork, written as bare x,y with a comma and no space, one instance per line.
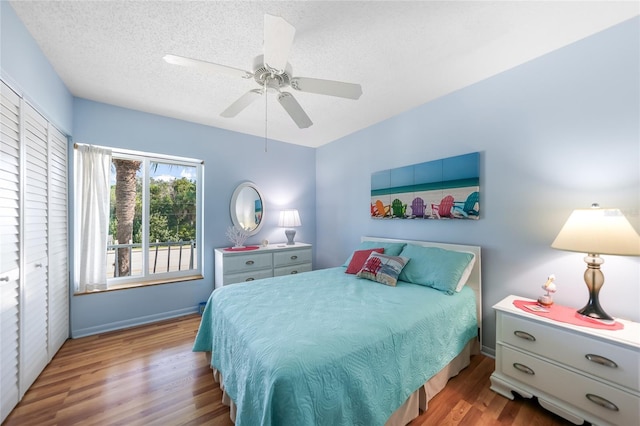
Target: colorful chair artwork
398,209
444,208
468,207
383,210
417,207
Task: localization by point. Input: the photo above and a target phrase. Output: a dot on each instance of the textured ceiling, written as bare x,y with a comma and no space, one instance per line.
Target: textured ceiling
404,54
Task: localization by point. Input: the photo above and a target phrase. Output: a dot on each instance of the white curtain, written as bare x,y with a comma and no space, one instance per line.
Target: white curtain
92,197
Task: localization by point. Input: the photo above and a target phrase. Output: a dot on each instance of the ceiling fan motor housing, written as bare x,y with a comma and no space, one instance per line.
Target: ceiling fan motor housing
273,79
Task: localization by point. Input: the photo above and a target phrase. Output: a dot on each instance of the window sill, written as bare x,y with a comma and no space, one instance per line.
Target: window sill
126,286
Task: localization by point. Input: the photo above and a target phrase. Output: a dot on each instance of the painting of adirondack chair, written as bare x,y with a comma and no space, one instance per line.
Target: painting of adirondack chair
398,209
470,207
383,211
417,207
444,208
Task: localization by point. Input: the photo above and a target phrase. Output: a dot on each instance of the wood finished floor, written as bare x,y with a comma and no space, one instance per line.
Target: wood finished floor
148,375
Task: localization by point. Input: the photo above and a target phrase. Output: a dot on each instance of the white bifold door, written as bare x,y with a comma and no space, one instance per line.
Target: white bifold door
34,272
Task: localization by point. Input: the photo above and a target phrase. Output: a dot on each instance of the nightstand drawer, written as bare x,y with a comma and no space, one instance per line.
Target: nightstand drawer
247,276
292,257
611,405
602,359
293,269
247,262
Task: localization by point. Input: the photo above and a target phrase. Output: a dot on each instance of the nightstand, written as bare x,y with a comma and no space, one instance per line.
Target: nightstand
270,261
579,373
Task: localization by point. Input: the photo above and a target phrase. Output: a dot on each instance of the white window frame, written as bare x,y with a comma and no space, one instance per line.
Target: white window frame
147,278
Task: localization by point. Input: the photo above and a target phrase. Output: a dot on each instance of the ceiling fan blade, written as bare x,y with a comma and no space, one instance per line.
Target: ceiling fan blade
327,87
242,102
278,39
205,66
294,110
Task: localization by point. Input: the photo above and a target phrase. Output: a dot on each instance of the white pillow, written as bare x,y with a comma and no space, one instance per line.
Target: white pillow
466,273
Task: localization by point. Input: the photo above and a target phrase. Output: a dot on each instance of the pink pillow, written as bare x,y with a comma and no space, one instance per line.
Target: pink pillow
358,259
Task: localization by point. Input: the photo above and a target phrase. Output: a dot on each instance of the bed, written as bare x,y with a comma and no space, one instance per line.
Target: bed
333,348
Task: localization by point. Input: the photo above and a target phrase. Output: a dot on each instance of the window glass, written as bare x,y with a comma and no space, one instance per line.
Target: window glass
155,221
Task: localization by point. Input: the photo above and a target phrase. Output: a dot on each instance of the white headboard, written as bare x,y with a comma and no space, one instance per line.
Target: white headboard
475,279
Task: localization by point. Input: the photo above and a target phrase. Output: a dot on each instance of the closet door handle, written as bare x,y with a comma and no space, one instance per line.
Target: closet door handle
4,279
523,368
601,360
249,262
38,265
524,335
598,400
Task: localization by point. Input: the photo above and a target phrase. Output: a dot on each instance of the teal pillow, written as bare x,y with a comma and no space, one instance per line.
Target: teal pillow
435,267
390,249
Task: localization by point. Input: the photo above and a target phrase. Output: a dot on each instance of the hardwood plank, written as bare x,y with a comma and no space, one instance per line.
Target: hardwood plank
148,375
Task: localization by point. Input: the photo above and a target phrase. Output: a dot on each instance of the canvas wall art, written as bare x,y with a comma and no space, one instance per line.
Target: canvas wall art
448,188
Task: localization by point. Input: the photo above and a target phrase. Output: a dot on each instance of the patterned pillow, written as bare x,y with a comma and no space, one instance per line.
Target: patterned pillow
383,268
359,257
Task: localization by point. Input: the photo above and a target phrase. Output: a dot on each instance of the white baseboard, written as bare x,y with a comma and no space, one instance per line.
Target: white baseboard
132,322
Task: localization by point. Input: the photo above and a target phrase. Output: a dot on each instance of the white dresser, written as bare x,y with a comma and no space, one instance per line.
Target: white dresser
270,261
579,373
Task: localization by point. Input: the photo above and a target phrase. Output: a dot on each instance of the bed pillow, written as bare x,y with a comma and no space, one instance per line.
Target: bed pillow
392,249
383,268
359,257
444,270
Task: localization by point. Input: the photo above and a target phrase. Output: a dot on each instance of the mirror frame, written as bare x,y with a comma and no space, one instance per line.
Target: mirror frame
234,200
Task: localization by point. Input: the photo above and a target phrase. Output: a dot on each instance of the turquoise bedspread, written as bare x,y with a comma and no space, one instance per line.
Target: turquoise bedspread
327,348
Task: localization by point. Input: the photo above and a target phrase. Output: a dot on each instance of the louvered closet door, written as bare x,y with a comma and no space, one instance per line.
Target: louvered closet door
9,247
34,315
58,253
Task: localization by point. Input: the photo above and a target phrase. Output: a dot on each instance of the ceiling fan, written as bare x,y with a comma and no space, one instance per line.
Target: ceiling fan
273,73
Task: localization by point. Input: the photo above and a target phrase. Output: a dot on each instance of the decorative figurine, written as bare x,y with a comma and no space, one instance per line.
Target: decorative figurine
550,288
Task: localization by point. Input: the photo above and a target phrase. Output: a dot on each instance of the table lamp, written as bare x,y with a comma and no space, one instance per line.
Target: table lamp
289,219
597,231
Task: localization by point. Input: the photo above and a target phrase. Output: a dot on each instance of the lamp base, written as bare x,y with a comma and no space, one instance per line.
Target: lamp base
290,233
595,312
594,278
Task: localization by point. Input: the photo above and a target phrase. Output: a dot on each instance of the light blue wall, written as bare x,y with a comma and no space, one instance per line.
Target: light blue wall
555,134
285,175
24,67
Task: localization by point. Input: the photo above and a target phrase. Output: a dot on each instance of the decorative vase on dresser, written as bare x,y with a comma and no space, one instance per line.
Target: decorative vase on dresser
238,265
579,372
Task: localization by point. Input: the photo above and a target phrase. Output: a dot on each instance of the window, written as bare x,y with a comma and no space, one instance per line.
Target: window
154,221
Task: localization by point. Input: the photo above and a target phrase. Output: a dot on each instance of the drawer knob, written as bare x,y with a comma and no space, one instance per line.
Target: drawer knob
249,262
38,265
601,360
523,368
294,272
4,279
250,279
598,400
524,335
294,257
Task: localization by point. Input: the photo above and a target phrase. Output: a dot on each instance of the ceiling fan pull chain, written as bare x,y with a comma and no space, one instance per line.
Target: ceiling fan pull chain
265,118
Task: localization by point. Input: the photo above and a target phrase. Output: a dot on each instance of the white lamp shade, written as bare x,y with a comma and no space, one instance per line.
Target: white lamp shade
598,231
289,218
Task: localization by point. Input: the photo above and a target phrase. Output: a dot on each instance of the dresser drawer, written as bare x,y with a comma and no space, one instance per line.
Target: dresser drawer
602,359
247,262
290,270
611,405
291,257
247,276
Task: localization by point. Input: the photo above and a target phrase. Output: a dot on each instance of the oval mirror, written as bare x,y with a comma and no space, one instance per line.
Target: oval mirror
247,208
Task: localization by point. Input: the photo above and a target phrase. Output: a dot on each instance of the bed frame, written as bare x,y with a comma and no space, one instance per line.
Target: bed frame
475,279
